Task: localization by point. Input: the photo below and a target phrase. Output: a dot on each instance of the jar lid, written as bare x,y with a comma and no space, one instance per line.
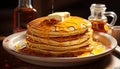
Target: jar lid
98,6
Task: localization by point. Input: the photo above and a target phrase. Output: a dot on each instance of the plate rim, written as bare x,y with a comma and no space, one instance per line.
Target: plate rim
58,59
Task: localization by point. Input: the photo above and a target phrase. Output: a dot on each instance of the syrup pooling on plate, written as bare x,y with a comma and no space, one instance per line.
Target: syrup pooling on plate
60,35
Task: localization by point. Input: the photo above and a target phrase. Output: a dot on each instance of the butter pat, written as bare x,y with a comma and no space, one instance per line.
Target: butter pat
58,16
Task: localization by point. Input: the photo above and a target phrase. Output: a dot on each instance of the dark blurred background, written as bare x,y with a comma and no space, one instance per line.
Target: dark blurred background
75,7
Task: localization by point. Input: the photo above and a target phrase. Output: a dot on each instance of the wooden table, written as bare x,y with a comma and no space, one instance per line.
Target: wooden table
8,61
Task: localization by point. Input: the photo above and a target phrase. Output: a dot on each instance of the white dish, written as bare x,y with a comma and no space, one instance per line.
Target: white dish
10,42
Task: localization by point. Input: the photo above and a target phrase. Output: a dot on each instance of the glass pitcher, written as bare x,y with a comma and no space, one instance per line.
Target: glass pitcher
99,19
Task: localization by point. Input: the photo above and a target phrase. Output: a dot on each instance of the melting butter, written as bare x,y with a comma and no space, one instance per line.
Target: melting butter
58,16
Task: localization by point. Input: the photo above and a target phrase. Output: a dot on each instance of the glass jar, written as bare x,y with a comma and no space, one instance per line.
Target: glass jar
23,14
99,19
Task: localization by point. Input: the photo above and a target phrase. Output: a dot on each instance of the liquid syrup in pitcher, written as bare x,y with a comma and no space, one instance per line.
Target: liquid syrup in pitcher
100,26
21,17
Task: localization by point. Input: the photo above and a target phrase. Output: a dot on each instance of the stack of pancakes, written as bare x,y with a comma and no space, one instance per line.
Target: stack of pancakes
70,37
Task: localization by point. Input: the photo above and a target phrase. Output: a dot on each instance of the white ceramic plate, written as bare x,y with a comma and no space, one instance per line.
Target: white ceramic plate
10,42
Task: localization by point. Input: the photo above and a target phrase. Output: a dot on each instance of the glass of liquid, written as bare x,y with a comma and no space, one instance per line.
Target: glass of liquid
23,14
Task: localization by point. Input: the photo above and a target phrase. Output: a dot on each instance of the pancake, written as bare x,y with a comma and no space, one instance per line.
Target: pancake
59,36
71,26
58,41
58,48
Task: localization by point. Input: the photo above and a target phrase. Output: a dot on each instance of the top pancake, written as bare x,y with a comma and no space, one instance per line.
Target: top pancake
70,26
